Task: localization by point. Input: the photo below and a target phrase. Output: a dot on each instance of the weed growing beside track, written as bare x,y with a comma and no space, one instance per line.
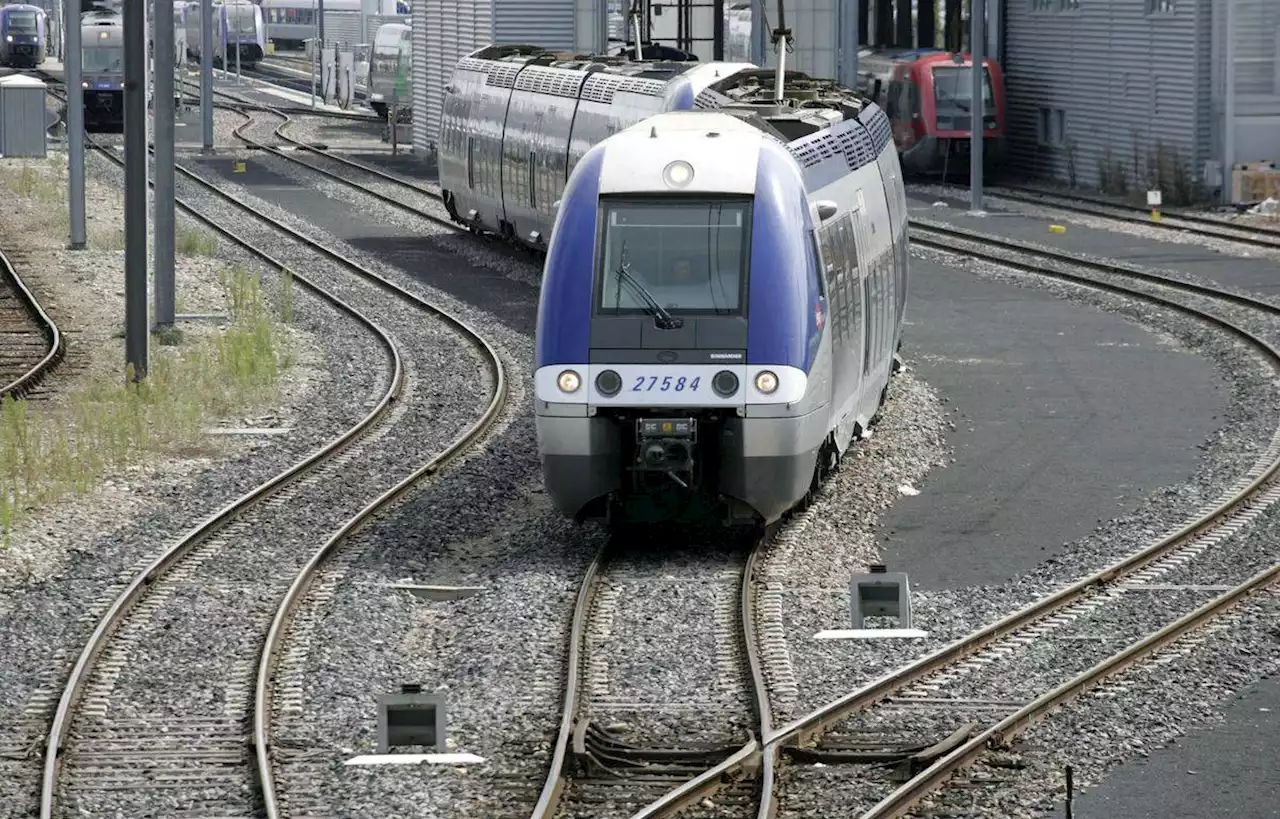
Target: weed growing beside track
48,452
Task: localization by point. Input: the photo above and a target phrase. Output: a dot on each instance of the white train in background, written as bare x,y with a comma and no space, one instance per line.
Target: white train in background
290,23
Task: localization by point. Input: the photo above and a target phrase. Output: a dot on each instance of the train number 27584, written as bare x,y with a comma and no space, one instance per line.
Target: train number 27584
665,383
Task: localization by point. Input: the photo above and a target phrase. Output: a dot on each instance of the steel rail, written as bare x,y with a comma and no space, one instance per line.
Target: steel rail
241,105
549,798
1002,733
279,624
137,587
675,800
46,326
380,196
289,604
921,230
807,729
1193,223
119,608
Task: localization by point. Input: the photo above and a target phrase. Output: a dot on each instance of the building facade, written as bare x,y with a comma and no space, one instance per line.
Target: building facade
1134,95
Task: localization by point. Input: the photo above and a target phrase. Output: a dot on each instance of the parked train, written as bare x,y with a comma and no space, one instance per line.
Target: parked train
238,26
102,64
391,60
290,23
928,97
24,36
723,290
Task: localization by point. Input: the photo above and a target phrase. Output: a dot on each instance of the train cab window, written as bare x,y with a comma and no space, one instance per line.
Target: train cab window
100,60
688,256
953,95
902,100
23,22
817,263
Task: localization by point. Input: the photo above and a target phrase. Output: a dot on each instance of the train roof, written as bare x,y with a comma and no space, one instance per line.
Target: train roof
740,89
20,7
101,18
808,104
521,55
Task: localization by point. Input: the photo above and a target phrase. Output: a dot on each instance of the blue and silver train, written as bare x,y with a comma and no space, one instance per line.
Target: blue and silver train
724,287
102,64
238,27
24,36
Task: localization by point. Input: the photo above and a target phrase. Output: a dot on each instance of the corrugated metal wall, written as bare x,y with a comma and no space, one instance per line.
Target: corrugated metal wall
446,30
1102,91
548,23
1257,81
453,28
421,140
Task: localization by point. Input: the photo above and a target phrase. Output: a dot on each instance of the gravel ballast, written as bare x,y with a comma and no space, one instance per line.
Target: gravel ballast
465,650
77,553
1230,452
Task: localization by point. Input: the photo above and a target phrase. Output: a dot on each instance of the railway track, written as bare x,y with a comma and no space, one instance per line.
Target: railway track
31,344
137,755
392,190
744,777
866,729
576,777
1195,223
617,755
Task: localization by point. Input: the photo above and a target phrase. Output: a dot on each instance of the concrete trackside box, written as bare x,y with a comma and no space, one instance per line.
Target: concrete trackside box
22,117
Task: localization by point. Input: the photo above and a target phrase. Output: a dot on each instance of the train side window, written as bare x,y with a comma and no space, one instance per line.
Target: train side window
817,263
845,245
471,162
533,180
892,104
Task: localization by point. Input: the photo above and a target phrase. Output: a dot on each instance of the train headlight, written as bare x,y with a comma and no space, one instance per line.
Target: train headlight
725,384
608,383
84,85
568,381
678,174
766,382
9,37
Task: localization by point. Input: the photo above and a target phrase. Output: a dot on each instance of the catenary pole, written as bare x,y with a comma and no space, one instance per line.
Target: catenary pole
976,105
135,188
164,113
75,122
320,21
206,74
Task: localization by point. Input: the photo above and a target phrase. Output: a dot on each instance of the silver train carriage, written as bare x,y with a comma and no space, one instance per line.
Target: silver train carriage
237,26
391,61
24,36
102,64
516,119
723,292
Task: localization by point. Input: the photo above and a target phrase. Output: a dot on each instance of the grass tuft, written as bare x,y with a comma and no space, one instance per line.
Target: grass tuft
106,425
195,242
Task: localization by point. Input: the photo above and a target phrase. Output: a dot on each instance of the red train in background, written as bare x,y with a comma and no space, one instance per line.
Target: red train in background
928,94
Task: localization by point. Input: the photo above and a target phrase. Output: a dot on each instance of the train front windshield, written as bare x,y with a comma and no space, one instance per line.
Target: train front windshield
953,97
103,60
23,22
688,256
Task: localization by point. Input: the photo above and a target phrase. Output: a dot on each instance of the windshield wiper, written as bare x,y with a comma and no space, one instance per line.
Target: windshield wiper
665,320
